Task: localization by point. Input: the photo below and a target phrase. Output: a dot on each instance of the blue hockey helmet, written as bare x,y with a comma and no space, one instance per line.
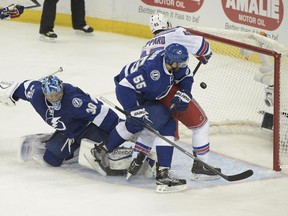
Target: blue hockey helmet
176,53
52,88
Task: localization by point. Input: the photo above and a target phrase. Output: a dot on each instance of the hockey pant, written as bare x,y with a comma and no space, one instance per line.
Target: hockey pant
165,125
193,118
59,147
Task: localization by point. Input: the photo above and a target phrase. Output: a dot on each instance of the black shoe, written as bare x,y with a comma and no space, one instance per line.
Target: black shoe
200,172
86,29
136,165
101,155
48,36
167,183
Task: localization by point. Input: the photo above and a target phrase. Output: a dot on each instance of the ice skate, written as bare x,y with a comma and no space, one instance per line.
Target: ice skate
135,165
199,172
85,30
166,183
48,36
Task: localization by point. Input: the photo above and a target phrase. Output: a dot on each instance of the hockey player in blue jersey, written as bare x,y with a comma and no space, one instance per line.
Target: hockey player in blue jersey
10,12
139,87
194,117
70,111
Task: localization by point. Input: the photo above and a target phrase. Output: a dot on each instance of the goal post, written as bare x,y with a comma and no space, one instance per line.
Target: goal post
247,87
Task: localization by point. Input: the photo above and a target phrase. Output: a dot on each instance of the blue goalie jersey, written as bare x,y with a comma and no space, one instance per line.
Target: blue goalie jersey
78,109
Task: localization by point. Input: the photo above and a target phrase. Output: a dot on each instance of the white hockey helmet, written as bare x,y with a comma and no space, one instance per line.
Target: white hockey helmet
159,22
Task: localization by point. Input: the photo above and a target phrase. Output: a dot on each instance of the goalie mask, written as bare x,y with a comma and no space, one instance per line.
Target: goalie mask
176,55
159,22
52,88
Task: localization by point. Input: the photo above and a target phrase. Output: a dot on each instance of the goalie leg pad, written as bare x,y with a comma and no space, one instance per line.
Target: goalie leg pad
119,159
86,159
33,147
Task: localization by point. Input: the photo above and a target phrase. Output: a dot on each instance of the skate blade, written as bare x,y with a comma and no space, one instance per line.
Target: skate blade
170,189
47,39
202,177
128,176
79,32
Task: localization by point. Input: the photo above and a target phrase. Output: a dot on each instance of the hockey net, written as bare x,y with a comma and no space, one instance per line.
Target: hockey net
235,99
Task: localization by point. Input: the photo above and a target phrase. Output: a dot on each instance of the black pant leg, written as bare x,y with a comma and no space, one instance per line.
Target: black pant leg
48,16
78,13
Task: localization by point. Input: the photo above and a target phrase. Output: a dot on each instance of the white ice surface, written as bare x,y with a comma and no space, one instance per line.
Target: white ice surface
30,189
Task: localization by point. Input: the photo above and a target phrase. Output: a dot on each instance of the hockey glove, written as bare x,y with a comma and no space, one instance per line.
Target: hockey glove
136,118
204,59
7,90
12,11
180,102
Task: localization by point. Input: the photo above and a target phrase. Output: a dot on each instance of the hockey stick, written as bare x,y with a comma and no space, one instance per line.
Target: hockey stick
203,85
236,177
58,71
196,68
37,4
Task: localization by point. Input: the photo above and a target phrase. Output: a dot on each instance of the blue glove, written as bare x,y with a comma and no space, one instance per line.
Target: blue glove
136,119
204,59
180,102
4,13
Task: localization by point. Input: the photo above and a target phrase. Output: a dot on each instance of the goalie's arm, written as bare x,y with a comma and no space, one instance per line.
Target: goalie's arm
10,92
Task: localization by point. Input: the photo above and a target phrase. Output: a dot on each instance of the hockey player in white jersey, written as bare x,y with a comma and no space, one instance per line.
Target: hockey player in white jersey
11,12
194,116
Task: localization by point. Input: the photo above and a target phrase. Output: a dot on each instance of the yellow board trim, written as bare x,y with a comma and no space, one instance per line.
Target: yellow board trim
137,30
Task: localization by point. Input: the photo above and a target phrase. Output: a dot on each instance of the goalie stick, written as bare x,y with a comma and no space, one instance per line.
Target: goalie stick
58,71
236,177
36,4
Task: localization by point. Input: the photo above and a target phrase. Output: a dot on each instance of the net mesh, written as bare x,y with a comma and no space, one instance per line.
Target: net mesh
234,99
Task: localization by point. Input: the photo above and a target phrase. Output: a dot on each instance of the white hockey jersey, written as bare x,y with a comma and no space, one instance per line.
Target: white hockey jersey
196,45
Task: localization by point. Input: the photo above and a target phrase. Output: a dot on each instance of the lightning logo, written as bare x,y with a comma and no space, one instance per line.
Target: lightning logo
59,125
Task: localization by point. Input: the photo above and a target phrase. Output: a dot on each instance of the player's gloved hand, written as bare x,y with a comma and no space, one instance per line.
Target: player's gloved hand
12,11
15,10
205,59
180,102
136,118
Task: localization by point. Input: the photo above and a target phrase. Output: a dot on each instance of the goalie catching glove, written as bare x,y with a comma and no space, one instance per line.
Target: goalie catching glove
180,102
7,90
